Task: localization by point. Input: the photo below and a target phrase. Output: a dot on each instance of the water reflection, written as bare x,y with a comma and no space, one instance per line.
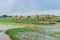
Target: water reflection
5,27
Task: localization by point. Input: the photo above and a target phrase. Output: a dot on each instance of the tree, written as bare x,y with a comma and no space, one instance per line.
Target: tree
4,16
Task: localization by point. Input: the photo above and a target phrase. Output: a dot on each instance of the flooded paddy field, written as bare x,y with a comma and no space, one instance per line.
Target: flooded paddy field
31,33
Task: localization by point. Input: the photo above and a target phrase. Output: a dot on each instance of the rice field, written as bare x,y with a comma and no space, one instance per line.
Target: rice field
32,33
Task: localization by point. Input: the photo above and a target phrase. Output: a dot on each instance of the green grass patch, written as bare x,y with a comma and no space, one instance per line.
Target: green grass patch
21,24
0,30
54,34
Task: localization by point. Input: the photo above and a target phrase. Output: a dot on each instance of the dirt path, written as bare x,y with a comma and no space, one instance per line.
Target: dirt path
3,36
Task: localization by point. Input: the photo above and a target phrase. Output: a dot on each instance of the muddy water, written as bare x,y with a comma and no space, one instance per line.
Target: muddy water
52,27
3,27
3,36
34,36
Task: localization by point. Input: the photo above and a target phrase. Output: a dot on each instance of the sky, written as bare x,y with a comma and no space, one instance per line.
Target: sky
29,7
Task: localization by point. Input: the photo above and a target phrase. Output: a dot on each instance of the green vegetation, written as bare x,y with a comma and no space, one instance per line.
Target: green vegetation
28,19
21,24
13,32
7,18
57,18
54,34
0,30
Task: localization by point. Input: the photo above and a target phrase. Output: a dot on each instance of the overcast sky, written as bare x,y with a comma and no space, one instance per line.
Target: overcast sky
28,7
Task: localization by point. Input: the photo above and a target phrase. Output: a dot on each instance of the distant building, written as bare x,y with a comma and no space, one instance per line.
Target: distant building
15,16
34,16
46,16
25,16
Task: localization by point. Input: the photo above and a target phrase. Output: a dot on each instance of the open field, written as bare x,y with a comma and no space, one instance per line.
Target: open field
21,24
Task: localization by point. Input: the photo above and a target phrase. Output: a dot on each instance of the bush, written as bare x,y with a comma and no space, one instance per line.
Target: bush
4,16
